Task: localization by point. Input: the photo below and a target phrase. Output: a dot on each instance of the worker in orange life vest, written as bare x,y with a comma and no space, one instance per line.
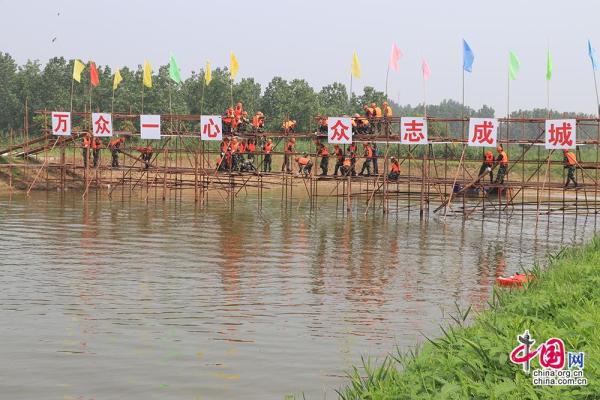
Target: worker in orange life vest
324,153
229,120
87,144
251,148
394,169
115,148
377,115
304,165
570,162
146,155
267,149
339,158
96,146
368,153
502,161
486,166
258,122
287,155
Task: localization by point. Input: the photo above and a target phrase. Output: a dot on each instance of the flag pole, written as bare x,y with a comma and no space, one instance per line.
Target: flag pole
387,74
596,88
72,85
425,97
142,95
202,96
112,101
231,92
350,97
507,105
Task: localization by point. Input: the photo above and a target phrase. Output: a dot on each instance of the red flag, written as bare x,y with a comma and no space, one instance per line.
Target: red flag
394,57
426,69
94,80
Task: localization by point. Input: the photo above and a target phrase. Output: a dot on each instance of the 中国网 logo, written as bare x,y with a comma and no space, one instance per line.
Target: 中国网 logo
556,366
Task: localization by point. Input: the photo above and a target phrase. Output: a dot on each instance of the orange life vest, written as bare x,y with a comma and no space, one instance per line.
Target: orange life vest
339,153
289,148
571,159
257,121
347,162
504,160
377,112
369,152
242,147
268,148
324,151
251,148
395,166
96,143
387,112
86,142
303,160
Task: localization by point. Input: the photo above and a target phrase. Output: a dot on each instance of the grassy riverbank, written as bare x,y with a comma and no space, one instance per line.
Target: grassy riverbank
473,362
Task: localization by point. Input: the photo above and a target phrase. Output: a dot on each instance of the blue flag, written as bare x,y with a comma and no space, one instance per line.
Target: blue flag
468,57
592,53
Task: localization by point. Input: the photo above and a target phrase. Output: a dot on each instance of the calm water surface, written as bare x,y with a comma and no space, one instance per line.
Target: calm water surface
127,300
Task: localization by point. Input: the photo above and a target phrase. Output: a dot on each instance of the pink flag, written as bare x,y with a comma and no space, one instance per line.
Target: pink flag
426,70
394,57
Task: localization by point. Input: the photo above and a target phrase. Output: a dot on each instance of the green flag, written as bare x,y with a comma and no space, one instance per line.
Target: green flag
513,66
549,67
174,70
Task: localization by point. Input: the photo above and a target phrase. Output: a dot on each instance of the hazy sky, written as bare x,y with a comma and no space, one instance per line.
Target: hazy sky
314,40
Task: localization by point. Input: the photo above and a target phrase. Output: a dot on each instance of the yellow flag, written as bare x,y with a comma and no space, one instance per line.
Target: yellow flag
147,74
207,74
117,79
78,67
355,66
234,67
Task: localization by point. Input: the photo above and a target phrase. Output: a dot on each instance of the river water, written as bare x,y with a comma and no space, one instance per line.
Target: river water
128,300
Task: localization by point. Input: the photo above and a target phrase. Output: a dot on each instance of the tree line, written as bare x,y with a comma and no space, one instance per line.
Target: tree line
49,87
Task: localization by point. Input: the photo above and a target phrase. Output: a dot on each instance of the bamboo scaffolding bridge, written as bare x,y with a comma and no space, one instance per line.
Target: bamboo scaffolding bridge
437,178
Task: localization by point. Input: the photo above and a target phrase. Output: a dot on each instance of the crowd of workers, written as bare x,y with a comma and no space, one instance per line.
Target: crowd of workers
239,154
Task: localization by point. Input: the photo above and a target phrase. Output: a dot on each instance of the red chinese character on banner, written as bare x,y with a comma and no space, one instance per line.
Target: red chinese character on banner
561,135
413,131
339,131
61,124
483,133
101,126
552,354
208,129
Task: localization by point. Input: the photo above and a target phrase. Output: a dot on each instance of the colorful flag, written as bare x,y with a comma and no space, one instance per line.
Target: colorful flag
94,80
513,65
117,79
78,67
592,53
394,57
234,67
355,66
174,70
147,74
549,66
468,57
207,74
426,70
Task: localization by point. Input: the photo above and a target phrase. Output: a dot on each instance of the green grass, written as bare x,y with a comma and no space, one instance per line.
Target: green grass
472,362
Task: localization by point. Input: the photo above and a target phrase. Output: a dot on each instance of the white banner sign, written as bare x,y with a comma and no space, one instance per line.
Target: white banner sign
61,123
102,124
211,127
561,133
150,127
483,132
413,130
339,130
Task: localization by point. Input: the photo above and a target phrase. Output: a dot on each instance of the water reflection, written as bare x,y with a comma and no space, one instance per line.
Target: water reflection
167,300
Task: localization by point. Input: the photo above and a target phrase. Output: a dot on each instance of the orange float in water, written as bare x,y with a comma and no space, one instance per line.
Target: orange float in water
515,280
